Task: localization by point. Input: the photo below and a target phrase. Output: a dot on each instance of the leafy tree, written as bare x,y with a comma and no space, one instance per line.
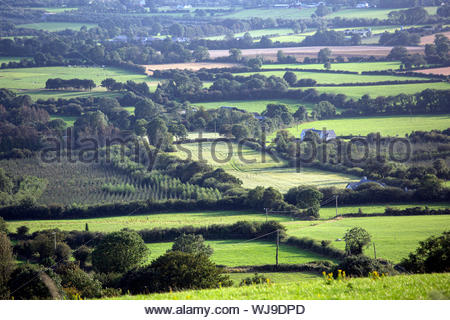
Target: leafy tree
22,231
6,264
432,255
322,10
355,240
235,55
271,196
39,285
6,183
119,252
397,53
201,53
255,63
325,110
176,30
255,198
324,55
158,133
3,226
239,131
145,109
290,78
82,254
62,252
192,243
175,270
300,114
72,277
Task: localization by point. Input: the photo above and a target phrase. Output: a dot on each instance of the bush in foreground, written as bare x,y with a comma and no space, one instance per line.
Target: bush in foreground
175,270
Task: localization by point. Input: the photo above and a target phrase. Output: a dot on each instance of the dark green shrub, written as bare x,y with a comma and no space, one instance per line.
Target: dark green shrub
432,255
192,243
361,266
175,271
73,277
256,279
30,282
119,252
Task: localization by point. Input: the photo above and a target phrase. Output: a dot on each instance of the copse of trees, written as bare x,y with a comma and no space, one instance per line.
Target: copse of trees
58,83
399,38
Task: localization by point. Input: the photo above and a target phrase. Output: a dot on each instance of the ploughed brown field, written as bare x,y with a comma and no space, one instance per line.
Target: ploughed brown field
302,52
195,66
430,39
445,71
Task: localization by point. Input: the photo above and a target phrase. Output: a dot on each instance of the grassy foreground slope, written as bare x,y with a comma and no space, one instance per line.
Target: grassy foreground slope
412,287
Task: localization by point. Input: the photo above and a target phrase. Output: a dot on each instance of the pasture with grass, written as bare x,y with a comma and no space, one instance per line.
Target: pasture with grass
121,199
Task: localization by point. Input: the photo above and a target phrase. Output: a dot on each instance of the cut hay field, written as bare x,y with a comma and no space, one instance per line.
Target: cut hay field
335,78
350,66
255,105
257,169
195,66
386,126
330,212
146,221
394,237
411,287
57,26
233,253
301,52
257,33
444,71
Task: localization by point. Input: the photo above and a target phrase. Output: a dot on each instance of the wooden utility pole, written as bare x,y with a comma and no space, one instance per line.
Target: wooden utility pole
278,245
374,250
267,213
337,206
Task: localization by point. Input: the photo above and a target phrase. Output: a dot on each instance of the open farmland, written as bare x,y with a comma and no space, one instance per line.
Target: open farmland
444,71
57,26
349,66
257,33
301,52
233,253
257,169
430,39
330,212
386,126
255,105
413,287
335,78
194,66
32,81
394,237
357,92
147,221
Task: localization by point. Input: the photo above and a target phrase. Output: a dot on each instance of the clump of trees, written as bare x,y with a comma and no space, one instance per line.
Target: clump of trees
432,255
58,83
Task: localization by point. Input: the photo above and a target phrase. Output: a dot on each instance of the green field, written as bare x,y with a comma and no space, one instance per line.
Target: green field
370,13
56,26
350,66
330,212
68,120
257,169
394,237
383,90
335,78
386,126
257,33
31,81
415,287
233,253
273,13
255,105
148,221
35,78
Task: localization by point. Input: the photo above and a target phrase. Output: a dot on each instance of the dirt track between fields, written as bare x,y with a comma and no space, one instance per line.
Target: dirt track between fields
302,52
194,66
